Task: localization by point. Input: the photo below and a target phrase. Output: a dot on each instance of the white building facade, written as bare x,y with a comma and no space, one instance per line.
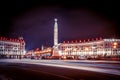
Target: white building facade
90,49
12,48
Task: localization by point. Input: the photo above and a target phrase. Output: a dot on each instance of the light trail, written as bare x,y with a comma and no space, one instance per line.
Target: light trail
66,64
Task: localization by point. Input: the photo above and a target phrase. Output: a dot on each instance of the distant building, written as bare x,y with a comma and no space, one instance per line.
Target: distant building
12,48
39,54
98,48
85,49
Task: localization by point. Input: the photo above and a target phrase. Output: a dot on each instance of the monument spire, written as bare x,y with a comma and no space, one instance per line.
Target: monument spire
55,32
55,47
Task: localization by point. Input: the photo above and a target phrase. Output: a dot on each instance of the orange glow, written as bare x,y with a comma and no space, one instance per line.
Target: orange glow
64,57
114,46
115,43
86,49
74,49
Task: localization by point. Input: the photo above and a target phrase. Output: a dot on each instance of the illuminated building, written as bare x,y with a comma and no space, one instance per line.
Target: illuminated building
90,49
46,52
12,48
39,54
87,49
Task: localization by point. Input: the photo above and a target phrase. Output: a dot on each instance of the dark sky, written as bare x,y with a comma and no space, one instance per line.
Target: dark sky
34,20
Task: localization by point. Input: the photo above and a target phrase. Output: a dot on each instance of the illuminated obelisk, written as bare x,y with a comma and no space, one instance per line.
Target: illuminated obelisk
55,32
55,47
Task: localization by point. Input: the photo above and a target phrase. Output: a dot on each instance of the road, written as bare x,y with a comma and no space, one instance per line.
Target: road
25,69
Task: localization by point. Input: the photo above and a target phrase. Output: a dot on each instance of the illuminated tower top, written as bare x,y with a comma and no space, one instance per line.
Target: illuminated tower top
55,19
55,32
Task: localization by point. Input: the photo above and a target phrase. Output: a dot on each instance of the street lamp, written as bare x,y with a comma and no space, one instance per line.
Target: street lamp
115,45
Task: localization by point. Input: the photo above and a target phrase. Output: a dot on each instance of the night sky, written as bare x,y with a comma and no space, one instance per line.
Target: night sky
34,20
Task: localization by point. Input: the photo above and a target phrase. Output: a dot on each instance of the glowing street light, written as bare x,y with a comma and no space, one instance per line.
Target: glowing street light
86,49
115,45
